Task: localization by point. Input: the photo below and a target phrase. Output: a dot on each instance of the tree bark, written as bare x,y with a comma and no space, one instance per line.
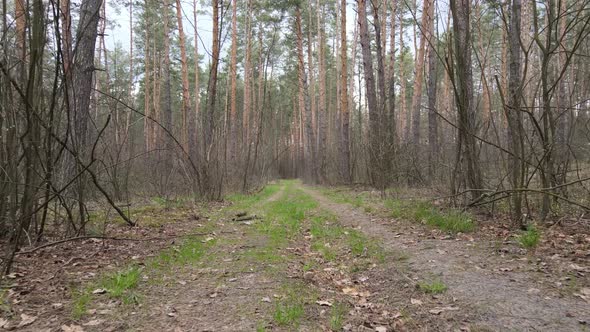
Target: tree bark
464,91
187,115
303,101
345,143
432,78
419,77
370,89
233,114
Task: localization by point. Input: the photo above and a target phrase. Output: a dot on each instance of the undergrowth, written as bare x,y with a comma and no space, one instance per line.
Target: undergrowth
530,238
449,220
433,287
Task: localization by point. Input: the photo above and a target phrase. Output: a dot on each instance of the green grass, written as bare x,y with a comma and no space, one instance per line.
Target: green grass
121,284
361,245
434,287
449,220
288,314
283,218
337,316
261,327
191,250
247,200
80,301
340,196
118,285
264,255
5,306
529,238
290,309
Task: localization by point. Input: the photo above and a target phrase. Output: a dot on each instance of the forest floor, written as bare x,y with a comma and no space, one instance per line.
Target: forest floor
295,257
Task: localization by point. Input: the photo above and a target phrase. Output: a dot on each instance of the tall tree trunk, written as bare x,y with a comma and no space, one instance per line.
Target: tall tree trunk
345,142
167,98
187,115
464,85
83,72
322,129
513,112
247,79
233,114
303,101
432,78
20,14
209,123
419,77
404,123
391,122
563,113
380,60
370,87
194,141
311,69
147,122
66,34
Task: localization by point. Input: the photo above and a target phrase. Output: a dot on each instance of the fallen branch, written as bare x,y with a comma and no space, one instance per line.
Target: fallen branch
51,244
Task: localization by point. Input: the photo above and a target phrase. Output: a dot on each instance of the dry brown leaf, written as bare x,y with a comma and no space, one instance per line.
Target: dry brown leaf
350,291
72,328
415,302
94,322
26,320
439,310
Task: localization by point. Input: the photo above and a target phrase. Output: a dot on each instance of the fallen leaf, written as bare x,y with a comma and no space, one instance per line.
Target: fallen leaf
213,295
415,301
266,299
584,294
533,291
324,303
380,329
72,328
439,310
94,322
3,322
26,320
350,291
99,291
172,314
579,268
365,294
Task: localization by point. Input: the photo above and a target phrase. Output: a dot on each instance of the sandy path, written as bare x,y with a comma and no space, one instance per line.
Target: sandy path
491,299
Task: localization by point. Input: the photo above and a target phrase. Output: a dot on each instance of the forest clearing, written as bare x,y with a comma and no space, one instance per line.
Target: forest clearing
295,165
